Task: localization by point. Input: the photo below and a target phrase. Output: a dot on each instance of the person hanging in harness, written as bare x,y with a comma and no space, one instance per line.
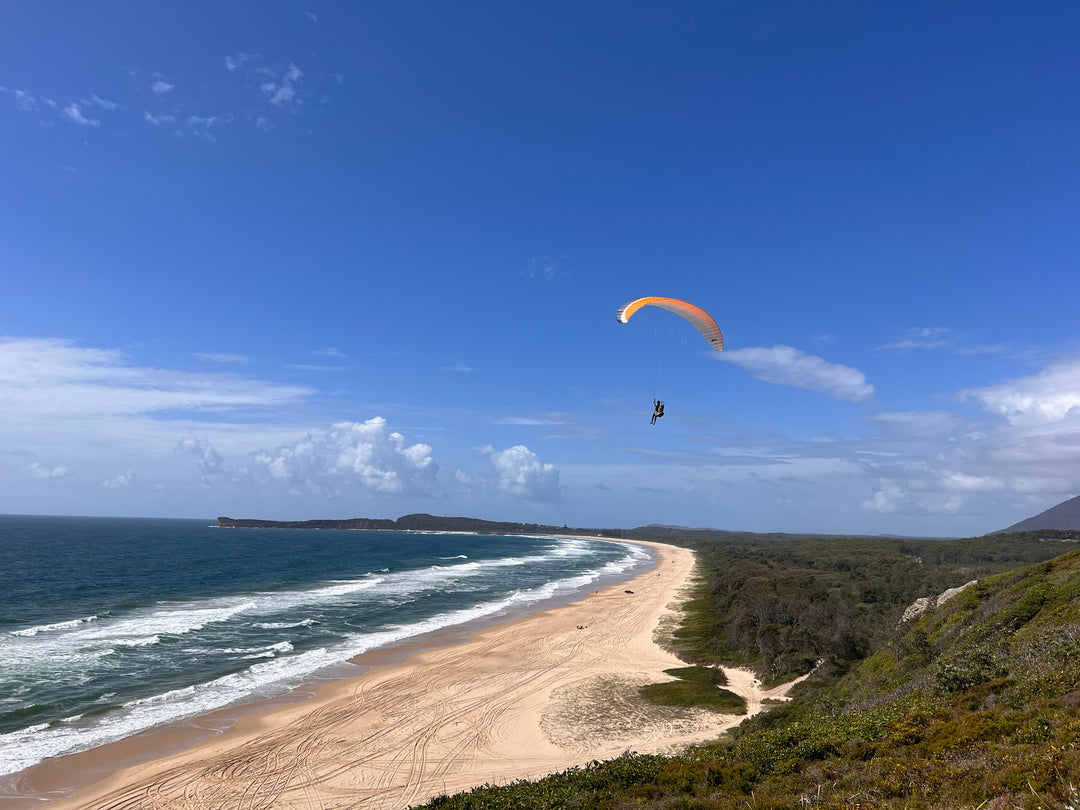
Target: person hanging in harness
658,410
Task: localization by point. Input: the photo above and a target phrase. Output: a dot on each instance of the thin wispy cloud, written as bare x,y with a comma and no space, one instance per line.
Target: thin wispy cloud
458,368
73,113
223,357
328,351
282,90
545,267
161,87
209,121
236,61
311,16
785,365
158,120
529,421
934,337
47,377
23,99
101,102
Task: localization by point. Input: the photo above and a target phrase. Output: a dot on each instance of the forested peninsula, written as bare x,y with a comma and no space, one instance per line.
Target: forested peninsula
415,523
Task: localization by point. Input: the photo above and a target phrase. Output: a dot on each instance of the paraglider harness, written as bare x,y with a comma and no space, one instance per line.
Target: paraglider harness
658,410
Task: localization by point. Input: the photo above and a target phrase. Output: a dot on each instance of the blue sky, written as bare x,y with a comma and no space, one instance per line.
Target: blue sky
298,260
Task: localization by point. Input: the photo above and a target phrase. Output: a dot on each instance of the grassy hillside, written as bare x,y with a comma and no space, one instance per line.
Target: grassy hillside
973,704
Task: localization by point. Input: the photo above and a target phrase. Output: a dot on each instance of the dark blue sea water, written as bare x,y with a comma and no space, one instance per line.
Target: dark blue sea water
111,626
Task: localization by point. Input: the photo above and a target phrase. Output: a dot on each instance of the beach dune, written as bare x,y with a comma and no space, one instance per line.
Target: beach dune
519,700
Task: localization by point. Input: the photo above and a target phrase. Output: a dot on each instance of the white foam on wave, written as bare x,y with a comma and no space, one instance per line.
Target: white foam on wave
23,748
28,632
26,747
72,639
284,625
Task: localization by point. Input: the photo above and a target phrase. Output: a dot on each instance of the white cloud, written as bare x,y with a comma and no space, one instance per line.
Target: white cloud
73,113
544,267
124,480
24,99
158,120
932,424
160,87
529,421
210,463
1049,396
353,454
933,337
235,61
223,357
785,365
283,91
311,16
100,102
49,377
41,471
458,367
209,121
520,472
329,351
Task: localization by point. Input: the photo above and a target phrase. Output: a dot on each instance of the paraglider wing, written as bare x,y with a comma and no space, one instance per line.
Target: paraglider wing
701,319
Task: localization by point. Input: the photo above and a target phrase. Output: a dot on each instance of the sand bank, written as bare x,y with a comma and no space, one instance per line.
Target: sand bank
517,700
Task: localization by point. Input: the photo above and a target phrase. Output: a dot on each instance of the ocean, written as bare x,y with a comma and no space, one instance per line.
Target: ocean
111,626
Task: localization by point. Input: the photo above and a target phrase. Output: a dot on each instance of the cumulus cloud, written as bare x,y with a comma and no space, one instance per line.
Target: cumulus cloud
785,365
364,454
124,480
42,471
1049,396
161,87
520,472
210,463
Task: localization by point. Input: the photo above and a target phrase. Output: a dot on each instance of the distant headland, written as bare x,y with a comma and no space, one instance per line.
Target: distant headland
416,523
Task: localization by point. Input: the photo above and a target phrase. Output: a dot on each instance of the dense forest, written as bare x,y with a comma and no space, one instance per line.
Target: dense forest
971,704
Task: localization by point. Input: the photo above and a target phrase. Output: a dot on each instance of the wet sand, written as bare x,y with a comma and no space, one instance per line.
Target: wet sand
517,700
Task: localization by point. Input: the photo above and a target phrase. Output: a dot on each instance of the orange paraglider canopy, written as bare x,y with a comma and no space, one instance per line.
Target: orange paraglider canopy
701,319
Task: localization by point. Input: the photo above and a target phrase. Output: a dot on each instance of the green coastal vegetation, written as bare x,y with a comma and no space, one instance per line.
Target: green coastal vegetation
971,703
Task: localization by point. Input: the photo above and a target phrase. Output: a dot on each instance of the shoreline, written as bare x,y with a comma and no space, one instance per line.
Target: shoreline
542,653
57,778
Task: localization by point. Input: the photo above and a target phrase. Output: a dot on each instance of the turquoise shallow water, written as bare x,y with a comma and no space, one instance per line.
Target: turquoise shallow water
112,626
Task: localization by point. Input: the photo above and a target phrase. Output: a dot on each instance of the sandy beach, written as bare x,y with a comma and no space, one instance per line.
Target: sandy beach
518,700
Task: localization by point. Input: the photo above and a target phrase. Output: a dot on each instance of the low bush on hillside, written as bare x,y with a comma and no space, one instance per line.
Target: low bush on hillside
973,704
